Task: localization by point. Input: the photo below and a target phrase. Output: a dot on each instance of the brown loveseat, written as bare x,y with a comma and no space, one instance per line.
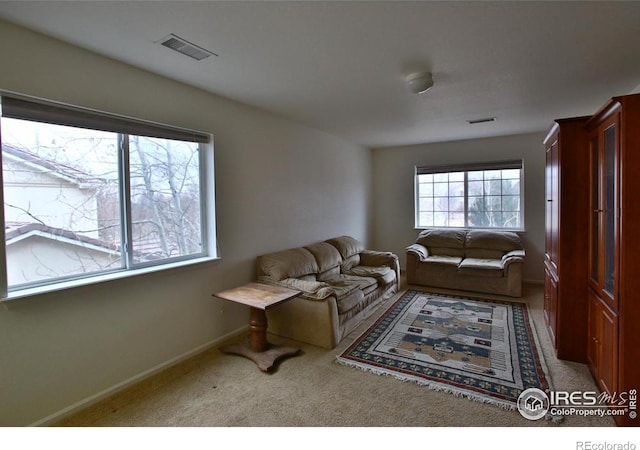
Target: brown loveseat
342,283
468,260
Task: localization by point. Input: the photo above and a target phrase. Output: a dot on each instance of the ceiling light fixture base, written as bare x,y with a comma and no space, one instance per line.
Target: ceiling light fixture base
419,83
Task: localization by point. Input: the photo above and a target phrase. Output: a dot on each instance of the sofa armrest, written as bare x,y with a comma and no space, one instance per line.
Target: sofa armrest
375,259
419,250
514,256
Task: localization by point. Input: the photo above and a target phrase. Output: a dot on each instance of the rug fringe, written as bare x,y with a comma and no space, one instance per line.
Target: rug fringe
433,385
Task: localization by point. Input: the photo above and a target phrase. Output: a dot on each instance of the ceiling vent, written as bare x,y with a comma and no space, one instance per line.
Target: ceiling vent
486,119
185,47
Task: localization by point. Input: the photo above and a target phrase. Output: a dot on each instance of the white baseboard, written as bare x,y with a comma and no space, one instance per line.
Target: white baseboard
65,412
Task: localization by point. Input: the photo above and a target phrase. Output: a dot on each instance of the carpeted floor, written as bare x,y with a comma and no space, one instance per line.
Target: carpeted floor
312,390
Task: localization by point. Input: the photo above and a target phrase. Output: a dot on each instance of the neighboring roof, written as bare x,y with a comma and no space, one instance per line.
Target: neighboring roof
147,250
15,232
64,171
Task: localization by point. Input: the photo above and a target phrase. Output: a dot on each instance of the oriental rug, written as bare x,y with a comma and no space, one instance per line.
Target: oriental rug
482,350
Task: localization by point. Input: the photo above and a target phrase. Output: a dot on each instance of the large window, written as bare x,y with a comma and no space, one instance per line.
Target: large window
88,193
470,196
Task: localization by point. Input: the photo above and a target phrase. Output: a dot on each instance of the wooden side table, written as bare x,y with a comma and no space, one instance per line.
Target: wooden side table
259,297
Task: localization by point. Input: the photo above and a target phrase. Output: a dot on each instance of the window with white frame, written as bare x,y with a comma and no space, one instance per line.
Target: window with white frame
87,193
487,195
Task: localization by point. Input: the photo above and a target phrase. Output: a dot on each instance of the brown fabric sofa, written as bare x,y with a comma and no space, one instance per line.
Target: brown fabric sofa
468,260
342,283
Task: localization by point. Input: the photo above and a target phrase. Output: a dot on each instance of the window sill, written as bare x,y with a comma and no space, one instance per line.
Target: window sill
514,230
40,290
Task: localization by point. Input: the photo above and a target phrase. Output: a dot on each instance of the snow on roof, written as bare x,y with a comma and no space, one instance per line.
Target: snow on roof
51,167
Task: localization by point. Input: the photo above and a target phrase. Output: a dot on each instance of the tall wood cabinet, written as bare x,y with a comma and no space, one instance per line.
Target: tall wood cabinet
613,344
566,223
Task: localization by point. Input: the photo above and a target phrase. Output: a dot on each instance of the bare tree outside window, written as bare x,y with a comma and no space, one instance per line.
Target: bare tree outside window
62,200
165,200
470,198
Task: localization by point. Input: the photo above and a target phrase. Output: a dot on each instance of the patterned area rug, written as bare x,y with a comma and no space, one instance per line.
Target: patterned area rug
483,350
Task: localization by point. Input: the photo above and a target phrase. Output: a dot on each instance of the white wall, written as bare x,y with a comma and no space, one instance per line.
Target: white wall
393,172
279,185
39,258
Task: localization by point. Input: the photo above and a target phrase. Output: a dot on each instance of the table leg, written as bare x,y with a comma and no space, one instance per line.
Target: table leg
259,349
258,330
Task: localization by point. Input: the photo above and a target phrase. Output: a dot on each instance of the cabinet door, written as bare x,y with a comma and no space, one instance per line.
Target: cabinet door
608,364
610,216
552,223
603,229
602,348
594,201
593,343
551,303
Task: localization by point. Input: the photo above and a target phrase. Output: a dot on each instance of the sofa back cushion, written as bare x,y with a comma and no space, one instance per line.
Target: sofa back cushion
349,249
347,246
328,259
491,244
293,263
443,242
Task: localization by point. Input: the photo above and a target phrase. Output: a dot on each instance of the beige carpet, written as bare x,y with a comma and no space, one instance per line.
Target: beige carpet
312,390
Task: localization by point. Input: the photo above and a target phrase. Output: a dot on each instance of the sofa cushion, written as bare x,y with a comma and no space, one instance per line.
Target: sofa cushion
483,253
328,274
440,259
446,251
349,301
308,287
326,255
478,263
442,238
493,240
366,284
383,274
346,245
293,263
481,267
350,262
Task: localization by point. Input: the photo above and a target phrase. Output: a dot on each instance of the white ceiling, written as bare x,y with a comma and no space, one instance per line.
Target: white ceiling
339,66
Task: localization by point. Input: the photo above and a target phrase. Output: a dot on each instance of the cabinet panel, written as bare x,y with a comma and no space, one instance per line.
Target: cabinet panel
603,229
553,204
594,333
609,209
602,349
594,200
566,240
608,364
551,303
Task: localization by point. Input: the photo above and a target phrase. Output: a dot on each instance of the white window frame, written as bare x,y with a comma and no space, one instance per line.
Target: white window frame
466,168
41,110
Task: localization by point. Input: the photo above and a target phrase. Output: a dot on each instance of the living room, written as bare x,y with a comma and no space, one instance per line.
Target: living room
281,181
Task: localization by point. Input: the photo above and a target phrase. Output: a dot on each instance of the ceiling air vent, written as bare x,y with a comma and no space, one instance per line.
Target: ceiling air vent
486,119
185,47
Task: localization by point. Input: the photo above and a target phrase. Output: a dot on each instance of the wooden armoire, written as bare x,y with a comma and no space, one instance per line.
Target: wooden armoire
613,345
566,231
592,248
